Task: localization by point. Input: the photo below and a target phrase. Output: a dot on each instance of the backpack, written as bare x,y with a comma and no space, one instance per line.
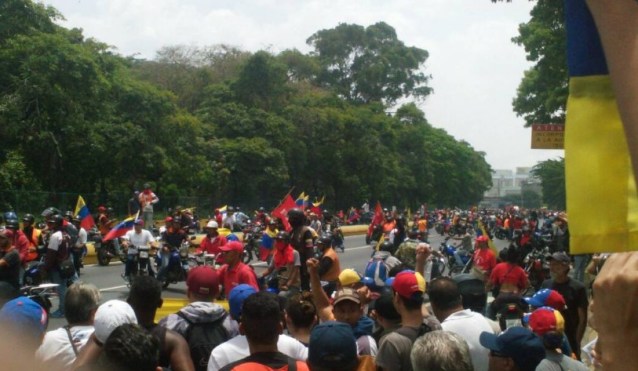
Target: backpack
202,338
65,263
413,333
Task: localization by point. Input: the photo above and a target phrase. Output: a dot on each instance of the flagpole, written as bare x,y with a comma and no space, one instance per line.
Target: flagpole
286,195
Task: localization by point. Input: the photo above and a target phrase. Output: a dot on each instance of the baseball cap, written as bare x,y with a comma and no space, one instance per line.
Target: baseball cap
203,280
109,316
349,277
547,298
24,313
546,319
518,343
236,298
385,307
332,346
232,246
409,284
139,222
212,224
560,257
347,293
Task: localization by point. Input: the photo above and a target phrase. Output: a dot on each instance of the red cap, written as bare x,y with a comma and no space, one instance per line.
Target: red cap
203,280
544,320
482,238
168,219
409,284
232,246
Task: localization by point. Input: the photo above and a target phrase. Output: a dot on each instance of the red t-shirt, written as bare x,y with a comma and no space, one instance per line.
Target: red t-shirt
484,259
232,277
511,274
212,247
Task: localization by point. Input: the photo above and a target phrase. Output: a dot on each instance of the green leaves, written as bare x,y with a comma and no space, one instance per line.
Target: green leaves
552,176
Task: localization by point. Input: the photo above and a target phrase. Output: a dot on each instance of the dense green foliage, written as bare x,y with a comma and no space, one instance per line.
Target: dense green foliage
552,176
223,124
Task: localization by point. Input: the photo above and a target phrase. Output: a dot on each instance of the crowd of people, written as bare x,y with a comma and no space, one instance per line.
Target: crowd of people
319,316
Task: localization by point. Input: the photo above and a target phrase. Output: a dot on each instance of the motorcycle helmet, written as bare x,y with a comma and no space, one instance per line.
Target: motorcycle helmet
387,246
296,217
57,221
12,224
283,235
9,215
325,240
28,218
69,215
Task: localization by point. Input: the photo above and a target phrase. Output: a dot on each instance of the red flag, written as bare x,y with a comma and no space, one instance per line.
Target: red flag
378,217
281,211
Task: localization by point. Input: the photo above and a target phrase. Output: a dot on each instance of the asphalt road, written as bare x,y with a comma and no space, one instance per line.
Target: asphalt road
112,286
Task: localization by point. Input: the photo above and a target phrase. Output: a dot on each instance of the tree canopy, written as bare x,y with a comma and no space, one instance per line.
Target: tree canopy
223,124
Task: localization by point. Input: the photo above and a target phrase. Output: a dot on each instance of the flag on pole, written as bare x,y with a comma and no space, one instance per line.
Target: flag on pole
281,211
319,203
121,229
377,219
82,212
302,200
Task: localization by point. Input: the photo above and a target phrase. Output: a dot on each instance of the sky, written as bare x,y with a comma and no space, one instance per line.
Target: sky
475,67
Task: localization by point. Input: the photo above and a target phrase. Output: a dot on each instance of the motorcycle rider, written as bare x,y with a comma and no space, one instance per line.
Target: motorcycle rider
173,238
267,240
241,219
212,242
33,235
229,220
131,241
104,224
19,240
465,247
9,260
286,262
301,240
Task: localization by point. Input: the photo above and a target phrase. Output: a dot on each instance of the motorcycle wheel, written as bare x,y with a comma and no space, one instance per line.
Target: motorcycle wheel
247,256
102,258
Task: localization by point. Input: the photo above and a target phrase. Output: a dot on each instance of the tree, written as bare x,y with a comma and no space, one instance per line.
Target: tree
365,65
552,176
541,96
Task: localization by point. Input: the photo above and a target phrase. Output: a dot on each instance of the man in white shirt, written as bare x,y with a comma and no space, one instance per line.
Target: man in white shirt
447,306
134,239
60,347
237,348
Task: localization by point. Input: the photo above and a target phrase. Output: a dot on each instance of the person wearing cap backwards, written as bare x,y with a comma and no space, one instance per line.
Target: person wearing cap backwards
147,200
515,349
395,347
137,237
329,267
202,287
347,307
575,296
235,272
212,241
484,259
549,325
9,260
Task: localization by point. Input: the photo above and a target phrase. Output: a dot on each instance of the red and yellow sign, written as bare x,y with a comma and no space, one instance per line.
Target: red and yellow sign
548,136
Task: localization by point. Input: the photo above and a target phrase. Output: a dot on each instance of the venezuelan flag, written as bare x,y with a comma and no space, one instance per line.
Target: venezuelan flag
601,192
82,212
121,229
302,200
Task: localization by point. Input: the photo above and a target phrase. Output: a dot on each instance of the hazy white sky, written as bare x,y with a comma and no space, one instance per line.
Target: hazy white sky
475,67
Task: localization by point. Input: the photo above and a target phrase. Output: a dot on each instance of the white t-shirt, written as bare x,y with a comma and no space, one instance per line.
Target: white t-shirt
55,241
144,238
82,237
56,351
469,325
237,348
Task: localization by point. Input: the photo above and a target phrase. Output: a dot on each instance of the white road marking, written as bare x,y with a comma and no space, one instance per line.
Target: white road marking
113,288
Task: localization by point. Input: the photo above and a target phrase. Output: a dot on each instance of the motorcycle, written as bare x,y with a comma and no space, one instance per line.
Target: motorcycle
40,293
180,262
252,240
448,251
143,264
105,250
536,265
33,273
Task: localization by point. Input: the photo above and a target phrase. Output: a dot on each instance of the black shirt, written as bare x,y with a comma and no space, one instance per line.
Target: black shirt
575,297
11,273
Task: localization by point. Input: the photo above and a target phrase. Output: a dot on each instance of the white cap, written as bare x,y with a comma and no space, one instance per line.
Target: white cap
212,224
109,316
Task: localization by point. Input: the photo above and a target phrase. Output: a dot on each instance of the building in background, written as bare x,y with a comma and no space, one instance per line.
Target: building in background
516,187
